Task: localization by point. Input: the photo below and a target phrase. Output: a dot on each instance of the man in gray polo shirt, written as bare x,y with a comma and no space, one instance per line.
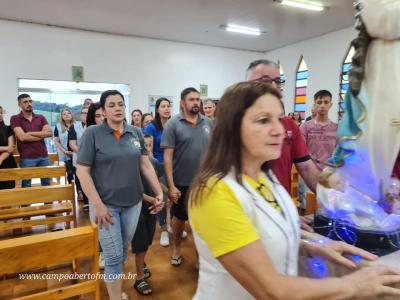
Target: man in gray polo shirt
185,138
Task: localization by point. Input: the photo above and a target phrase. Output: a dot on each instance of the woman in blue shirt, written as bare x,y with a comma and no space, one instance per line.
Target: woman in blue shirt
155,129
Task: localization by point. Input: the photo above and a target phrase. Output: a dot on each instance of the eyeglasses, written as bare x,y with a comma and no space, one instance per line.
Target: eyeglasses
266,79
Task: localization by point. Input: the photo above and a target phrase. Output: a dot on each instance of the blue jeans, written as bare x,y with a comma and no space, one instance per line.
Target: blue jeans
35,162
162,217
116,239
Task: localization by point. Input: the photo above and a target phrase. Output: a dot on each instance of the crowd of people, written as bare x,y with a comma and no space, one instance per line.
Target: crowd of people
226,168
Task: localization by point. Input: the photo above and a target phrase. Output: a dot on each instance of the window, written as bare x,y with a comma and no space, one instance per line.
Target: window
50,96
344,79
301,88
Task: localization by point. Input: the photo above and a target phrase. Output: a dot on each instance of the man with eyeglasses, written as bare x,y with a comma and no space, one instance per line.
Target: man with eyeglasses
294,149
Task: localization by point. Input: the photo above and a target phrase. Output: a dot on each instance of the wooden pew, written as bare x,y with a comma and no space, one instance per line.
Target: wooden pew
29,173
295,174
311,203
16,210
53,157
25,254
294,186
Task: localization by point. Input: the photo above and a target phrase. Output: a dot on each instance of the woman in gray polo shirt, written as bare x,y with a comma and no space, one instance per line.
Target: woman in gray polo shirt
110,159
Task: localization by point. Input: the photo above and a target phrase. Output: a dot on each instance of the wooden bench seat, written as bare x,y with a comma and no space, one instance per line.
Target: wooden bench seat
12,213
18,174
29,173
18,206
27,254
311,203
53,157
294,174
294,186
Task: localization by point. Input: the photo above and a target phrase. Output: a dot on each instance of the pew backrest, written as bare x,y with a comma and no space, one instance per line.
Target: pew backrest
311,203
34,172
25,254
53,157
53,204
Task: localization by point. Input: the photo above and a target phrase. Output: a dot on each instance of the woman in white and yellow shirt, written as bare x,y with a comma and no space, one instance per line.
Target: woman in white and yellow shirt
245,225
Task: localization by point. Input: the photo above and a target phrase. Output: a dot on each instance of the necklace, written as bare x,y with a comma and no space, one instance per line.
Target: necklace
267,195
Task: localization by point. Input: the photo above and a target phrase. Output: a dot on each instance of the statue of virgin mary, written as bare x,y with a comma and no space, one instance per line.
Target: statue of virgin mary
369,132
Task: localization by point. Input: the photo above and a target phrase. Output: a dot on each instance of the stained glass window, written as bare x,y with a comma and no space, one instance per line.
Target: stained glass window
344,79
301,88
282,74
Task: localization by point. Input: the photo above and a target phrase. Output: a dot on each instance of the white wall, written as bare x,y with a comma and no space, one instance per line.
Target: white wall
155,67
324,56
150,66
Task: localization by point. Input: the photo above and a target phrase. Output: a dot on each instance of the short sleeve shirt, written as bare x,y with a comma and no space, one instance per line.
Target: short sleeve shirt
293,150
156,134
115,164
189,144
55,132
7,131
30,149
72,136
220,220
320,140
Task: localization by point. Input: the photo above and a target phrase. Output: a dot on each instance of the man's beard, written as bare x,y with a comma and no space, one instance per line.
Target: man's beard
195,110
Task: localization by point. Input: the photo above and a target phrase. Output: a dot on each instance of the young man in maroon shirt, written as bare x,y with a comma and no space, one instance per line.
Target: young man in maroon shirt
30,130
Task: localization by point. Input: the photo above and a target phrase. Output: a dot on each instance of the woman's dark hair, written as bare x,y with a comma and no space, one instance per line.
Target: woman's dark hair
157,119
360,44
224,150
91,115
141,114
3,132
144,117
107,93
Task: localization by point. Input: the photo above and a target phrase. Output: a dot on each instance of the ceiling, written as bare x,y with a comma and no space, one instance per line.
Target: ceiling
192,21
